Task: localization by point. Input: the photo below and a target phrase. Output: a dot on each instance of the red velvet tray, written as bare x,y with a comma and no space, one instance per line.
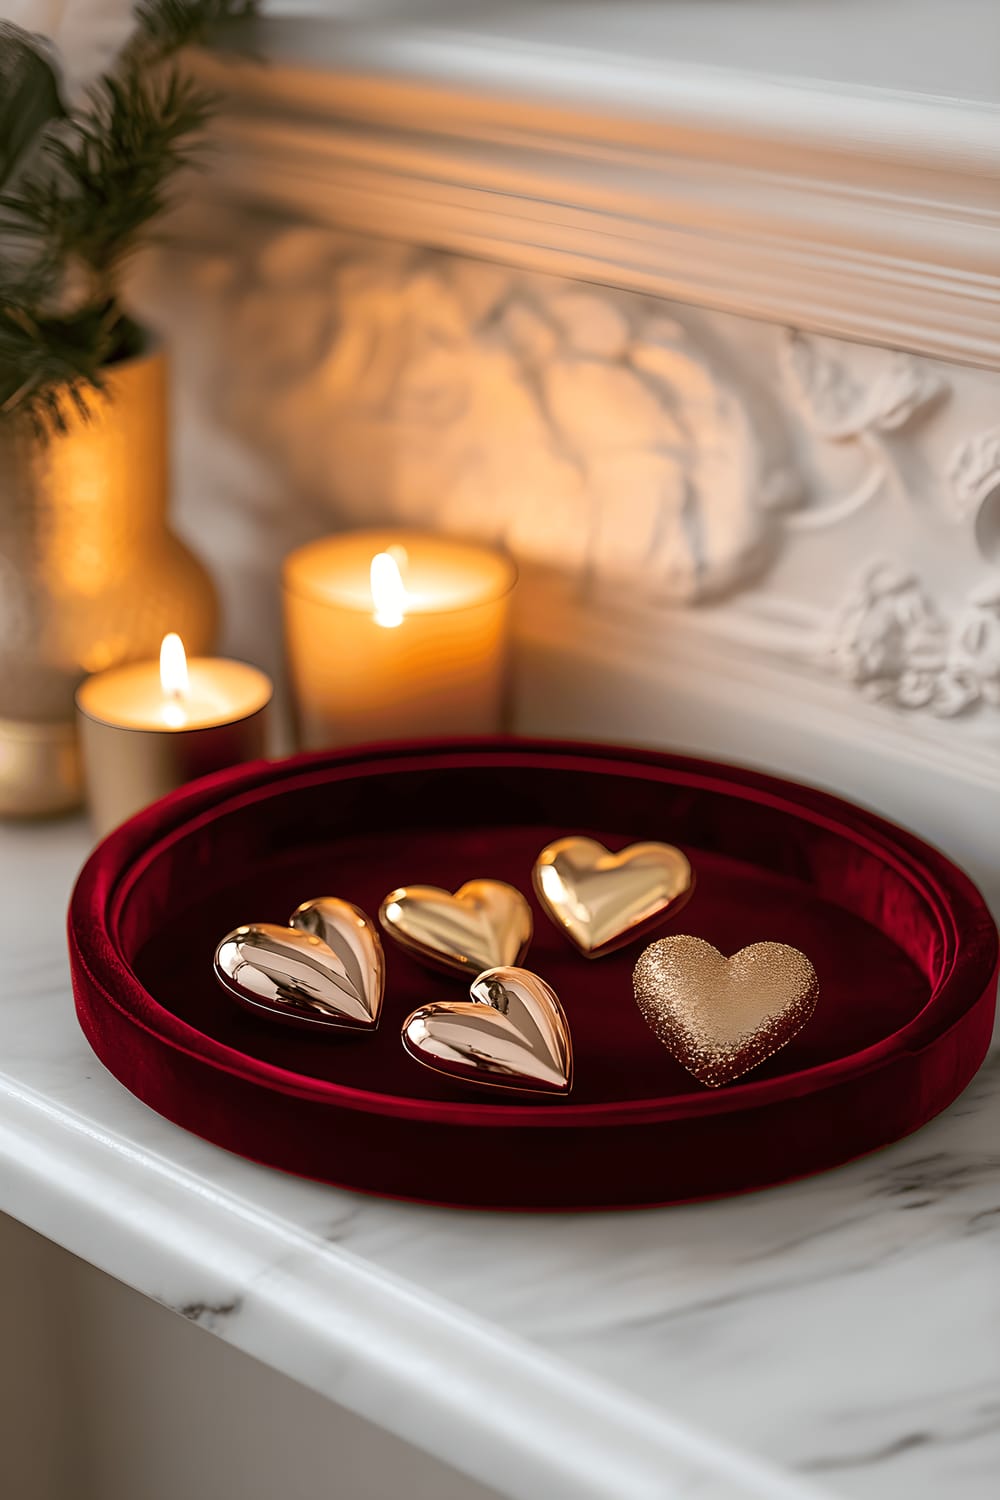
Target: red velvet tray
904,947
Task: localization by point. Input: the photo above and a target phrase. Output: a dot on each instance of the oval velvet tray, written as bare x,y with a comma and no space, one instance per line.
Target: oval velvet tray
902,942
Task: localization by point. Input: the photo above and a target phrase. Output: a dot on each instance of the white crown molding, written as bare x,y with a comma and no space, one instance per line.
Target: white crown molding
873,215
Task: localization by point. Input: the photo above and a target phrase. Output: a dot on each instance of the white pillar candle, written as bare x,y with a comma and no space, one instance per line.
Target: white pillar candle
395,635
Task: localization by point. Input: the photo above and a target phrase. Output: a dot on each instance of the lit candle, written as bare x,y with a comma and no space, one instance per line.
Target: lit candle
394,635
148,727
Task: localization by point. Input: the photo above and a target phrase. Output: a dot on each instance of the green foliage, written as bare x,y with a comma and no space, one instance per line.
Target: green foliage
112,169
165,26
48,366
93,184
29,97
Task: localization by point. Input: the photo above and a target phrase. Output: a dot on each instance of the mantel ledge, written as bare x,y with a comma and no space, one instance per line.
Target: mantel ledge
869,214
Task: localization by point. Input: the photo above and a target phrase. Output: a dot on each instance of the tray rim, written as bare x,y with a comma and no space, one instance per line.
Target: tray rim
94,909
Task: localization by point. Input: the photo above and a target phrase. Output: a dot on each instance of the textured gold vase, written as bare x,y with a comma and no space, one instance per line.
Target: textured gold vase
90,574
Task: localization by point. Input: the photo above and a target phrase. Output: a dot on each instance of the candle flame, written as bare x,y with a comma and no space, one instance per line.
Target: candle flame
174,678
388,589
174,667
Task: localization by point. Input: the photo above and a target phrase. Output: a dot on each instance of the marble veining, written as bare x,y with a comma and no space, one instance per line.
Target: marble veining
834,1337
209,1314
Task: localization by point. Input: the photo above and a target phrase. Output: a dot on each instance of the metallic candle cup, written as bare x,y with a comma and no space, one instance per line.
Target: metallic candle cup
142,738
91,575
396,635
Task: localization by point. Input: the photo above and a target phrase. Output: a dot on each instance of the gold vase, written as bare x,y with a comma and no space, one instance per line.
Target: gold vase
90,574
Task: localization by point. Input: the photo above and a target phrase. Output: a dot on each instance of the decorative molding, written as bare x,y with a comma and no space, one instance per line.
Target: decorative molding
839,407
891,639
712,478
581,427
973,474
871,214
734,693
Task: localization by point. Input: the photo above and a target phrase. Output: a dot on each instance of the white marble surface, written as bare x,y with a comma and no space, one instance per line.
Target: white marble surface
835,1337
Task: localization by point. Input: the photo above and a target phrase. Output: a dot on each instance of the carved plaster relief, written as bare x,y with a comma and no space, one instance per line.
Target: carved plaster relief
974,488
890,638
580,427
889,634
665,456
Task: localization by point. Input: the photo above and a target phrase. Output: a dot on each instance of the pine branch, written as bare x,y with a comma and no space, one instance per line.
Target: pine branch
29,97
166,26
71,219
50,365
115,166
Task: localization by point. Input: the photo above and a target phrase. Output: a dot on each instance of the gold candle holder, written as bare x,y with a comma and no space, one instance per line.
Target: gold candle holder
147,729
91,576
395,635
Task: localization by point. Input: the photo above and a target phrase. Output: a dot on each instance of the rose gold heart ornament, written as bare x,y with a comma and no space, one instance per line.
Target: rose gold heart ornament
483,925
720,1016
511,1034
325,969
602,900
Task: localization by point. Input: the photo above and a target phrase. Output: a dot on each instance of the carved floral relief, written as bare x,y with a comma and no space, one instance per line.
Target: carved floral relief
891,640
890,634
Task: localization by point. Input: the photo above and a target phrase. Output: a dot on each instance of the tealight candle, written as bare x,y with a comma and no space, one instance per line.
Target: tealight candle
148,727
395,635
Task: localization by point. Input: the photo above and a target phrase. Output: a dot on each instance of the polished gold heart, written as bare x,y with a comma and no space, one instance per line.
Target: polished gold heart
722,1016
483,925
512,1034
326,969
602,900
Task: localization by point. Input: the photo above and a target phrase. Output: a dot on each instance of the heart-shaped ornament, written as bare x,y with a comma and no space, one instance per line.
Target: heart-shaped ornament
485,924
722,1016
603,900
513,1034
326,969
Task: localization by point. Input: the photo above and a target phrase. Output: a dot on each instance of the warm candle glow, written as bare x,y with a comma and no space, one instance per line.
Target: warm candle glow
388,589
174,667
395,635
174,678
147,727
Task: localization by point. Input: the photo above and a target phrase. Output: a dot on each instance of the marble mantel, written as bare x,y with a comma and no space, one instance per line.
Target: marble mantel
833,1338
755,245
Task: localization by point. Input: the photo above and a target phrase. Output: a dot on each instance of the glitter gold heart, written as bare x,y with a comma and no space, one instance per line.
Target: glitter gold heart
484,924
512,1033
722,1016
325,969
603,900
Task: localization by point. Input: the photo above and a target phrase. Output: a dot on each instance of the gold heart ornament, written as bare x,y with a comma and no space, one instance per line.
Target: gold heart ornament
484,925
602,900
326,968
513,1033
722,1016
